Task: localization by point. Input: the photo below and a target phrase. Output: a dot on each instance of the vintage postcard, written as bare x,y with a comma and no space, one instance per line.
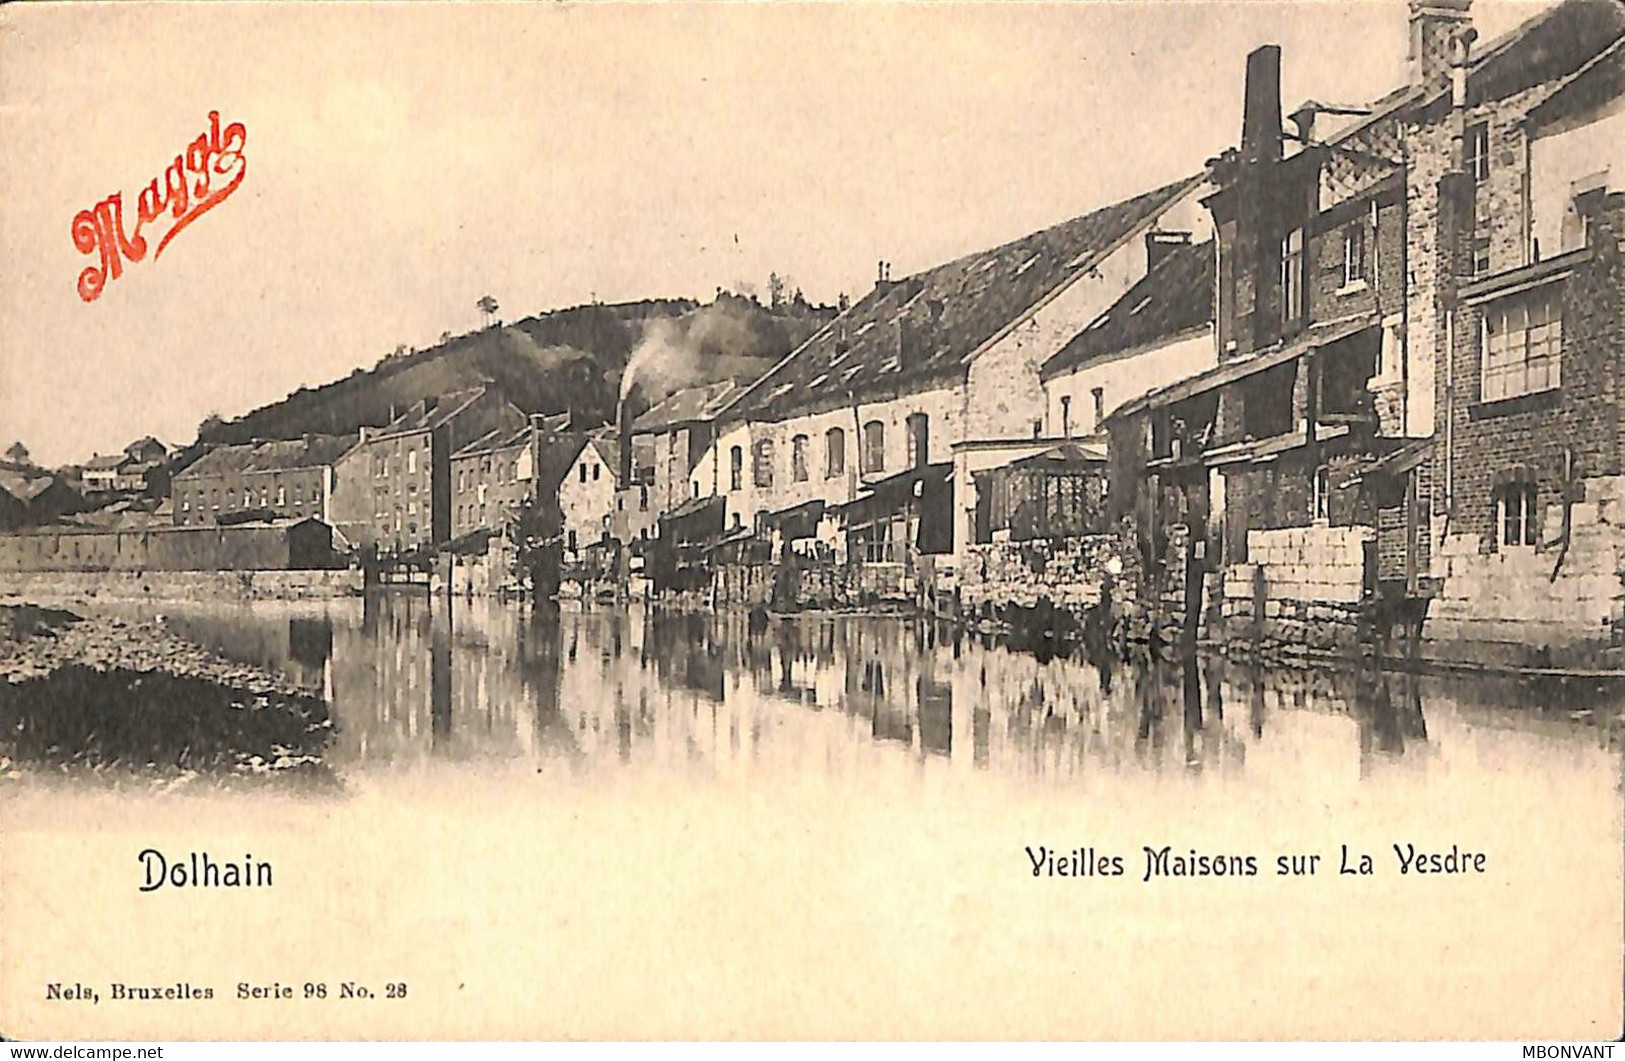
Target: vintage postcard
1090,521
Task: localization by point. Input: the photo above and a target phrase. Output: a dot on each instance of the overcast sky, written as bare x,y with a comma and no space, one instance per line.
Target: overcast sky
405,159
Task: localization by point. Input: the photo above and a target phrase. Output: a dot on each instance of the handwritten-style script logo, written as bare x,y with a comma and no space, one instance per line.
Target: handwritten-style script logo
190,187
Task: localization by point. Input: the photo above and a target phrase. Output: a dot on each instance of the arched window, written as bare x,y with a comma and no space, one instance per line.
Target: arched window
798,458
919,440
736,468
874,447
762,462
834,453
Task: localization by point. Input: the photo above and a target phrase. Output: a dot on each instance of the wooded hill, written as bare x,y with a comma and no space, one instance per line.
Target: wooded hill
564,360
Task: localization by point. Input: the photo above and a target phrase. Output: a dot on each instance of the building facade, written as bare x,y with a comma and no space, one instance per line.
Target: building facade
921,365
1529,466
393,490
292,478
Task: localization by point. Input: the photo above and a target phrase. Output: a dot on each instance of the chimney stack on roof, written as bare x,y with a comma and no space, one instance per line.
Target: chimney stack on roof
1434,24
883,281
1261,112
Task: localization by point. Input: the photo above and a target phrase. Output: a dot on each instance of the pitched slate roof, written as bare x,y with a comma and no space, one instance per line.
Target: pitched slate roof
609,448
25,485
687,406
419,418
493,440
932,324
311,452
1602,79
1552,44
1174,297
557,454
105,462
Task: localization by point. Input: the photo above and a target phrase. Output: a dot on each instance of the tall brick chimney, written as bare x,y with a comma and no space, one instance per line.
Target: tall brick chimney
1261,106
1433,28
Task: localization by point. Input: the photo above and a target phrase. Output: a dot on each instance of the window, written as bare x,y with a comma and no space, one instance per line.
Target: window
581,470
1292,276
596,468
572,541
411,461
1522,340
1481,253
1353,254
1476,151
281,496
185,505
1099,396
919,440
1066,415
1515,514
762,463
643,499
798,458
834,453
736,468
874,447
1321,505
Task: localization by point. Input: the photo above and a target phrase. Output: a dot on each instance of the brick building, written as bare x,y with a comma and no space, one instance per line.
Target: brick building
1246,469
1529,468
393,489
292,478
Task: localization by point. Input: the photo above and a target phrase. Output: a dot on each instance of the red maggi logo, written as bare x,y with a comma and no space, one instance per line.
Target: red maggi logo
186,191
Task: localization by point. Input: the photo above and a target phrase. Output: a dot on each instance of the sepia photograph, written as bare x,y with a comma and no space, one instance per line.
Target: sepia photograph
1091,521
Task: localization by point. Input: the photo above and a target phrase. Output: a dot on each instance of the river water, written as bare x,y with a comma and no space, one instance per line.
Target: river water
665,824
482,685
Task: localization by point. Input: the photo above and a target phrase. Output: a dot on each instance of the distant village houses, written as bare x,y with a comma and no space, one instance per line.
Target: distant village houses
282,478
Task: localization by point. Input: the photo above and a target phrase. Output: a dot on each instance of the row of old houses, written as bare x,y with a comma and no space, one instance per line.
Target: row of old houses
1359,371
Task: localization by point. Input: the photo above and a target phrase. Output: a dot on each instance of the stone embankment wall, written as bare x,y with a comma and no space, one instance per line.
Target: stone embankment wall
812,584
1531,606
1309,581
182,585
1068,573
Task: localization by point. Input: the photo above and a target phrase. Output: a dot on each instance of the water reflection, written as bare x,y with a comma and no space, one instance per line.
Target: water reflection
415,680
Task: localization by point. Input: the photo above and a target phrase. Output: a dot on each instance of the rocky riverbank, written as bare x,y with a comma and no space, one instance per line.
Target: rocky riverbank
113,697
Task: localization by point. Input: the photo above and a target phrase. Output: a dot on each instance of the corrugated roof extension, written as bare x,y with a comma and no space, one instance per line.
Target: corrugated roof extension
932,324
311,452
1173,298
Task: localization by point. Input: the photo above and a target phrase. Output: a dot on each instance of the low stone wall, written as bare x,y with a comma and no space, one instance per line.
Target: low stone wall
1310,581
817,584
1069,573
1530,606
181,585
